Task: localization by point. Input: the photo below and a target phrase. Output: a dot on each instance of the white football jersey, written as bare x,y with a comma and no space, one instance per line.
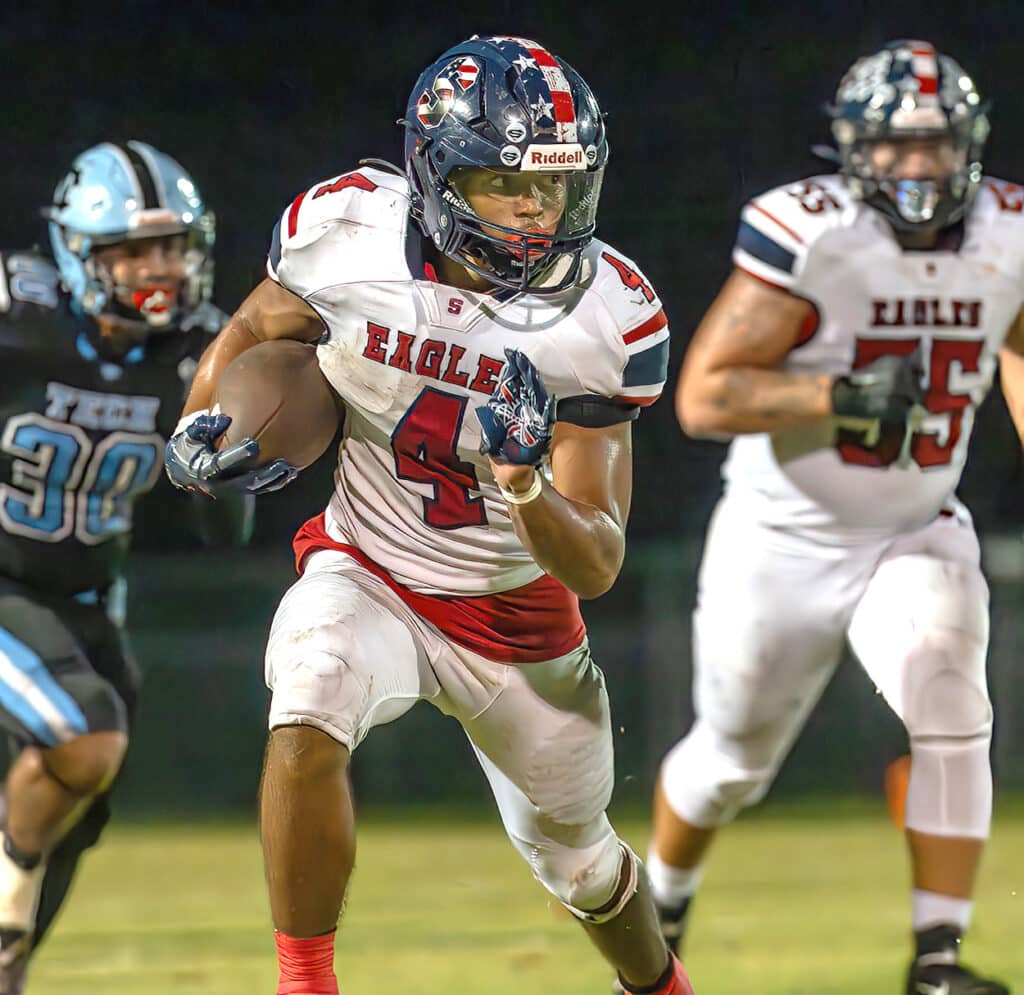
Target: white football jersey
874,298
412,358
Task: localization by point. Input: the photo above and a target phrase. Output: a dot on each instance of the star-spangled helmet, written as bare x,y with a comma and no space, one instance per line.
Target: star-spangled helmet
908,90
116,193
507,105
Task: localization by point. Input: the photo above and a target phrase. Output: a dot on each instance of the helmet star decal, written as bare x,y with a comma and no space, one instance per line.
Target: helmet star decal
542,109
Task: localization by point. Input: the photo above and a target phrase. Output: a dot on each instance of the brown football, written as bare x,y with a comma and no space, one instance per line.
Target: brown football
275,393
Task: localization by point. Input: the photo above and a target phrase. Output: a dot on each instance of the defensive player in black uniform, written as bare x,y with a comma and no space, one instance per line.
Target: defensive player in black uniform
97,349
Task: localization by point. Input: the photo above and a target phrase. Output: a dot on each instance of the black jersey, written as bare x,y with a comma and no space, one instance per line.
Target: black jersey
81,436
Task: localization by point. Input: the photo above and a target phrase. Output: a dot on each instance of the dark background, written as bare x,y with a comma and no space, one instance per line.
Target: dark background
707,103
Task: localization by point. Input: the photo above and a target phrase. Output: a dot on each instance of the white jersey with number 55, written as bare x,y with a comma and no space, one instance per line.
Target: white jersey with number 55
412,358
873,298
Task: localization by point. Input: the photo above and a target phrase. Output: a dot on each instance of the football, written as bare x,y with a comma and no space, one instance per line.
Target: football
275,393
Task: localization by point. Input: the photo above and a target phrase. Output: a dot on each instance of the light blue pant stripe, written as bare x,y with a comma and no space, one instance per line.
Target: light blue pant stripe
31,664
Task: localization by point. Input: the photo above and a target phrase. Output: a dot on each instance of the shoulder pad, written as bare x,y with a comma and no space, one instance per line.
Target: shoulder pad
998,212
999,200
339,231
28,278
635,322
778,227
31,313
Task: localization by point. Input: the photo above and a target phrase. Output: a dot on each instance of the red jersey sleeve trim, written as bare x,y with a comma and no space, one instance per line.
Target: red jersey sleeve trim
649,327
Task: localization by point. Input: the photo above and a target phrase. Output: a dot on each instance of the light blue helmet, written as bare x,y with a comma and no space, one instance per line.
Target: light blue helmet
114,193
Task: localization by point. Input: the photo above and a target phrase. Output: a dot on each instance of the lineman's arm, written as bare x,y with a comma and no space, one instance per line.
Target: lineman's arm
269,312
1011,373
576,529
729,383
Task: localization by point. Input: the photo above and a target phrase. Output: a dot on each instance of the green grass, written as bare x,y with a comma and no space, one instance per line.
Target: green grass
798,901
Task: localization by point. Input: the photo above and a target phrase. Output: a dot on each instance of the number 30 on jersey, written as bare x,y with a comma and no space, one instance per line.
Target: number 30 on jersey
62,484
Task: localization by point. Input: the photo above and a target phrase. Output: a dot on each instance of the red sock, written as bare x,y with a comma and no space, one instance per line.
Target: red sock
673,982
306,965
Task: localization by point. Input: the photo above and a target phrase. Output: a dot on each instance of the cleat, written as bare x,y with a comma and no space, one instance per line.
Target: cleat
949,979
15,947
937,969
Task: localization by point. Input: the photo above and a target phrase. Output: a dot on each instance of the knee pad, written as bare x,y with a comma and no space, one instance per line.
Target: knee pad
707,780
944,689
949,719
627,875
581,878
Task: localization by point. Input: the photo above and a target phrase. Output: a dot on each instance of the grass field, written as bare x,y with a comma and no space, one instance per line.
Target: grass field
798,900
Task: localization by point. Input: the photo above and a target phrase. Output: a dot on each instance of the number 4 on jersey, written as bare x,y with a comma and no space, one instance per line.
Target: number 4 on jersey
630,277
425,444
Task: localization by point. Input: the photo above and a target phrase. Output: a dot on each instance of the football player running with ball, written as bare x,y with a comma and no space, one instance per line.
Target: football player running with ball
98,347
847,354
454,301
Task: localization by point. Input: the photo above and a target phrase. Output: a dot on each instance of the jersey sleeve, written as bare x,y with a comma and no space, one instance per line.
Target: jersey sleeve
637,331
777,228
999,207
319,240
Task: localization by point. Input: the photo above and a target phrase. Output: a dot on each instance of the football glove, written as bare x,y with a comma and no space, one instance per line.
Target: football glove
192,463
887,389
517,420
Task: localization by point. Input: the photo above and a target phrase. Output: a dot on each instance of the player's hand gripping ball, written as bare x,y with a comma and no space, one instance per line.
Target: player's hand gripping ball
518,418
274,415
193,462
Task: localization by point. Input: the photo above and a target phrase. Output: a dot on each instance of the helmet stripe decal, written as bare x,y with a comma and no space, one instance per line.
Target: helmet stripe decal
143,176
925,67
145,153
558,85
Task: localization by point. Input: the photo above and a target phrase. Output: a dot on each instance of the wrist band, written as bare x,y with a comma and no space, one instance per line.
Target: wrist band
525,497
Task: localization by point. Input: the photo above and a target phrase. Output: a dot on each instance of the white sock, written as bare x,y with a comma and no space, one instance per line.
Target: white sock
931,908
669,884
19,892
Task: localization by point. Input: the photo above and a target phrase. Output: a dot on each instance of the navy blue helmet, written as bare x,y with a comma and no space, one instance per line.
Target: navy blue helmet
507,106
909,91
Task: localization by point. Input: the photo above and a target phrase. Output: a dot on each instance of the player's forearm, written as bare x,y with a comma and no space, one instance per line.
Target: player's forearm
575,543
746,400
233,340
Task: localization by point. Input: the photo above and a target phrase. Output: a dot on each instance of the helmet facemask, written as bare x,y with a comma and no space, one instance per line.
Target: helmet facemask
929,198
549,218
158,301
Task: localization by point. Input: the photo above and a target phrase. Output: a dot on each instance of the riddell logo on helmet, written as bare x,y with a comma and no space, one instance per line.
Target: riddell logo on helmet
554,158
